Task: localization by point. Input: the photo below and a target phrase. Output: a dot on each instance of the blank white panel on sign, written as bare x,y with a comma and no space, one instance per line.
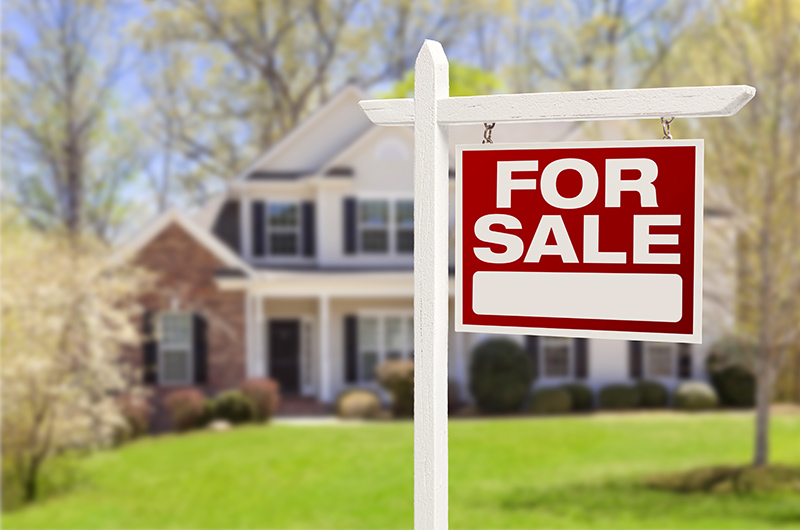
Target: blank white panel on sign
604,296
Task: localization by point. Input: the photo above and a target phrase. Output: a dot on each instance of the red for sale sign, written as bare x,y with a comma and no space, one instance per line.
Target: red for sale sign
589,239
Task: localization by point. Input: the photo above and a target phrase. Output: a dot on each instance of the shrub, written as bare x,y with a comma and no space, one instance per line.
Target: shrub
454,401
397,377
500,375
358,403
652,394
187,409
735,386
619,397
136,413
695,395
581,396
264,394
234,406
551,401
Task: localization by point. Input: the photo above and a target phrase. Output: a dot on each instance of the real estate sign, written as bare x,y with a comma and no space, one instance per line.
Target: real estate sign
589,239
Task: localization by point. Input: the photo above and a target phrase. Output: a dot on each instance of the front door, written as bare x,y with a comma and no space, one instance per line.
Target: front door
284,354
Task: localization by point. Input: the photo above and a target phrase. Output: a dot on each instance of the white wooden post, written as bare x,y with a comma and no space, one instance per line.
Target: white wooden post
431,293
324,350
431,112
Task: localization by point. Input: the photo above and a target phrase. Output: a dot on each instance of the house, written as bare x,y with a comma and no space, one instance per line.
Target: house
303,272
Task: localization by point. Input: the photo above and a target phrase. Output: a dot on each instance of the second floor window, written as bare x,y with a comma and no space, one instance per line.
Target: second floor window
386,226
283,227
404,216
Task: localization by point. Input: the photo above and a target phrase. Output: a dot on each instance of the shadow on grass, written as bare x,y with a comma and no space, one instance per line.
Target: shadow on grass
621,504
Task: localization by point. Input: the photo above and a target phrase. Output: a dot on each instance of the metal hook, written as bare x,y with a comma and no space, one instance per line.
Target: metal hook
665,127
487,133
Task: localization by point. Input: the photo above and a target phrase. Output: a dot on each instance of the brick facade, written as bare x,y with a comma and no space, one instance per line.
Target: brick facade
184,271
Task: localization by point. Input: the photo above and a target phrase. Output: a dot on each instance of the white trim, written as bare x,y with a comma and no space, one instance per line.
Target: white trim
695,337
205,238
360,142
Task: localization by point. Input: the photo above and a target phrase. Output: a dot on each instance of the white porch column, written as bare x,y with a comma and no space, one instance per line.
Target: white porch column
262,362
324,350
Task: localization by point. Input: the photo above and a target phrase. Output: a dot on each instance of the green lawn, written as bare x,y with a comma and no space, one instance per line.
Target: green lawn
519,473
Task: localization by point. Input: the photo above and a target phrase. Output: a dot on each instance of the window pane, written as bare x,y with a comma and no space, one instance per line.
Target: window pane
175,366
659,360
374,241
282,214
405,241
393,331
369,361
176,328
283,244
410,333
368,333
556,357
405,214
374,213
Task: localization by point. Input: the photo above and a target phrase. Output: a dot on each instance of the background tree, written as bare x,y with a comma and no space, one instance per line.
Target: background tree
68,151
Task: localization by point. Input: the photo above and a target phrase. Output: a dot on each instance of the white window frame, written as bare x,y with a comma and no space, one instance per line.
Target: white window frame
392,226
297,230
673,360
189,350
407,334
543,361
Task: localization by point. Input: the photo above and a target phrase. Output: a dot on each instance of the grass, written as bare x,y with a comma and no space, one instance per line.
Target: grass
578,472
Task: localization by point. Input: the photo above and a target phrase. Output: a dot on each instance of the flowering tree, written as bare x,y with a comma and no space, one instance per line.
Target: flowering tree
67,315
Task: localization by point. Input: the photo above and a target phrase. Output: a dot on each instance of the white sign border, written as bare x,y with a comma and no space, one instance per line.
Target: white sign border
696,337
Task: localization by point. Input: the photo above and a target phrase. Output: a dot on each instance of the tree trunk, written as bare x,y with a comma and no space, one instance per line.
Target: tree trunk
30,482
763,395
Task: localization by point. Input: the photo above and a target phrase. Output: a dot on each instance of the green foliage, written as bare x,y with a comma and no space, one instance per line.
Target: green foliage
358,404
652,394
551,401
465,80
695,395
500,376
234,406
619,397
187,408
735,386
264,394
582,398
398,378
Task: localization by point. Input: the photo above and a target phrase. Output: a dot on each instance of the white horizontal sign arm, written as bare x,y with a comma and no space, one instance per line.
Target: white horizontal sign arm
682,102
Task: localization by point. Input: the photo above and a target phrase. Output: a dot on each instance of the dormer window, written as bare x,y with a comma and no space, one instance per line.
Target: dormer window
283,228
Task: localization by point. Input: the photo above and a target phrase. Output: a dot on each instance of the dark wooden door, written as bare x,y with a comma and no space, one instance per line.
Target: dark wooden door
284,354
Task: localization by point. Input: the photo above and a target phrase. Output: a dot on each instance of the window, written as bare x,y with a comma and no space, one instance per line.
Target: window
283,222
659,359
374,225
556,353
386,226
404,217
382,338
175,347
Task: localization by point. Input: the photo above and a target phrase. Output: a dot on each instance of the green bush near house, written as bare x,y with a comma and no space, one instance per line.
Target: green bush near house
551,401
234,406
582,397
619,397
652,395
358,404
695,395
397,377
500,376
187,409
735,386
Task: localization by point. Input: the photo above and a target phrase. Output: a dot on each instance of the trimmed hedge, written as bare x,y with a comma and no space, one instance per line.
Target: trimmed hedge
358,404
695,395
619,397
652,394
551,401
234,406
500,376
582,398
735,386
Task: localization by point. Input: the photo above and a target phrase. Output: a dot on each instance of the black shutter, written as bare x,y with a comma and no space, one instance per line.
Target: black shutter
350,349
685,361
259,229
149,350
581,358
350,220
532,348
200,350
635,359
309,229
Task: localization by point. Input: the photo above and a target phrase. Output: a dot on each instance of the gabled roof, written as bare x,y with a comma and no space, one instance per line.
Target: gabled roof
314,141
205,238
